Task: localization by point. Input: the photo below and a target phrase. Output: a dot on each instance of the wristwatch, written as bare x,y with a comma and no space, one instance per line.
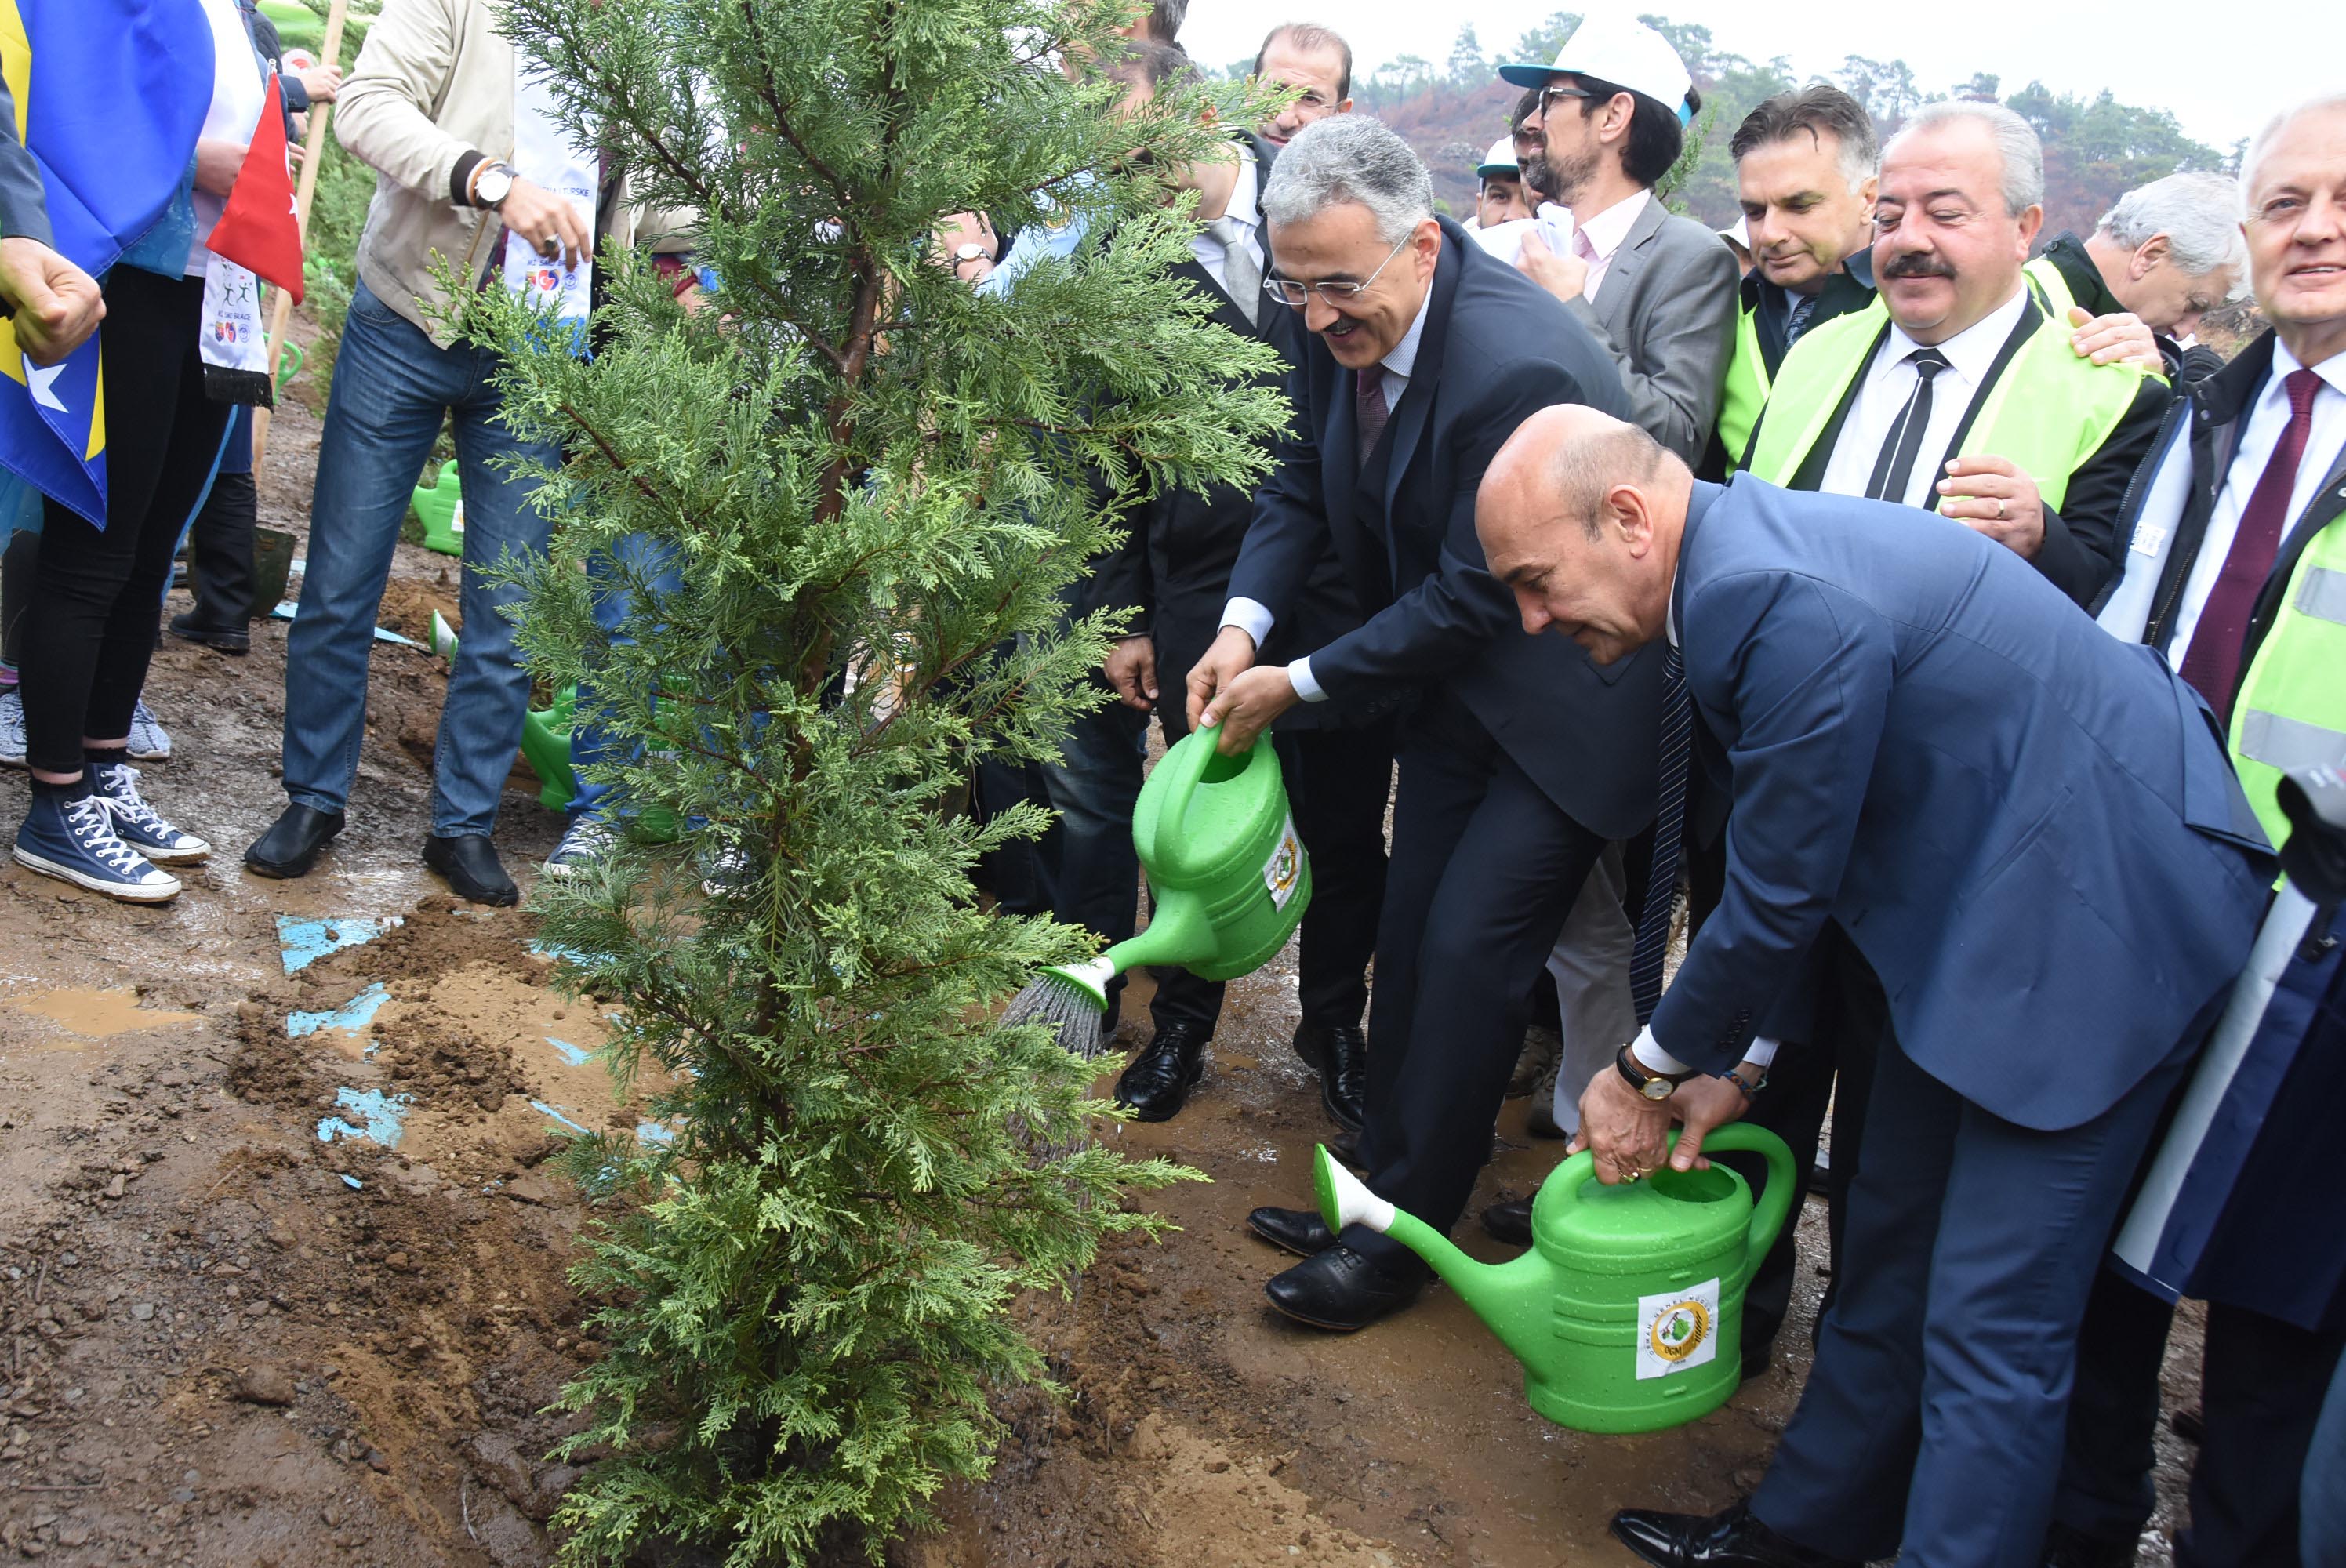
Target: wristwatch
492,185
1644,1080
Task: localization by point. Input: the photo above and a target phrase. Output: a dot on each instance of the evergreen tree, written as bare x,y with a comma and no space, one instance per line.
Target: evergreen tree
872,487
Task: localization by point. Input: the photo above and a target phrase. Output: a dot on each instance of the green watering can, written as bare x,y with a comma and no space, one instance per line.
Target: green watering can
1627,1313
1231,878
442,508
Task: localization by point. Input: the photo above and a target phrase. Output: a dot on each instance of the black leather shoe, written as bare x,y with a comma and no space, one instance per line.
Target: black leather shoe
290,846
1344,1290
2067,1548
221,640
1300,1231
1340,1054
1730,1539
1157,1084
471,865
1510,1222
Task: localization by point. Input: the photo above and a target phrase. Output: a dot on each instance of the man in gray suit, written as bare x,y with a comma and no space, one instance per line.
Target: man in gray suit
1656,290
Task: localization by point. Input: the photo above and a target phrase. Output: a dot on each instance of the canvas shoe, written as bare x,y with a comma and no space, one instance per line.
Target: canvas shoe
137,823
726,869
587,840
74,842
149,742
12,727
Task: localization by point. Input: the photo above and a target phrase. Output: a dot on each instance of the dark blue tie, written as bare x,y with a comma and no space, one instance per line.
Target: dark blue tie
1669,819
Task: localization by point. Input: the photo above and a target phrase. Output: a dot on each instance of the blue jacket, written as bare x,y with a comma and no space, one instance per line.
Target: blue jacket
2028,829
1494,350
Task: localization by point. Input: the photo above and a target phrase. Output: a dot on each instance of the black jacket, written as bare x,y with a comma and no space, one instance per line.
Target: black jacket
1496,350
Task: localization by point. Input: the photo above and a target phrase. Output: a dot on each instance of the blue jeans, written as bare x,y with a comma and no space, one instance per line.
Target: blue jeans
637,557
392,385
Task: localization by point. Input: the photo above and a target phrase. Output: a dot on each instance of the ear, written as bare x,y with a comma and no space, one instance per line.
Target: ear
1870,192
1425,245
2031,222
1633,516
1618,112
2147,256
1345,107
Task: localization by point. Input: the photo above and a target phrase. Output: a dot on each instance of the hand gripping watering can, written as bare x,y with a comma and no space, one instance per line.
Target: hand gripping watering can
1231,878
1627,1313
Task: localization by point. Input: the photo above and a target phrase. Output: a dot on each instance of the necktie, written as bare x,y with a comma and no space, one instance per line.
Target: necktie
1894,469
2212,664
1241,274
1369,405
1796,317
1669,819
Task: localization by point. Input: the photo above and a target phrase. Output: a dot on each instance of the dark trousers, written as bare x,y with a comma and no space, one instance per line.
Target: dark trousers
1095,882
220,544
1932,1424
2261,1385
1338,782
19,558
98,593
1484,869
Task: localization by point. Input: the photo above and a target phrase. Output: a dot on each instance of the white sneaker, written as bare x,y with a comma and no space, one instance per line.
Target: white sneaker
148,740
584,842
12,727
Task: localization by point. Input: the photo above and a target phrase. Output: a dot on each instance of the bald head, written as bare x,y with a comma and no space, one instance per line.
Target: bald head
1580,515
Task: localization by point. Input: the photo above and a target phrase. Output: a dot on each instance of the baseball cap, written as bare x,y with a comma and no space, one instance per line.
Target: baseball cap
1617,49
1499,160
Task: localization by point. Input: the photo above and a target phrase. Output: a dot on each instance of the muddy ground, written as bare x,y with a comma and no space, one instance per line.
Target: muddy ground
236,1331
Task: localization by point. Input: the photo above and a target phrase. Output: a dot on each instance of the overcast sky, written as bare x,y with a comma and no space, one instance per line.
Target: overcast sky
2265,54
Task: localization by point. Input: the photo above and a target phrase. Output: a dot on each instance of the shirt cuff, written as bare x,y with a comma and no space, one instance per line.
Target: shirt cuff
1761,1051
1250,617
1649,1053
1299,674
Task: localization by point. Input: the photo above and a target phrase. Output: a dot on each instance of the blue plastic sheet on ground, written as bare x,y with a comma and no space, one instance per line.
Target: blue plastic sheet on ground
350,1018
653,1133
305,942
380,1119
353,1183
286,611
556,949
570,1053
542,1108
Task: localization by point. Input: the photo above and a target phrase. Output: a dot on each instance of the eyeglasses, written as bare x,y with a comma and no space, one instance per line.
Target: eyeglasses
1548,97
1295,295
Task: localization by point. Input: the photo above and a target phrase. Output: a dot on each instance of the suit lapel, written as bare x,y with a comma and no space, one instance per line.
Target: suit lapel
1613,294
1407,422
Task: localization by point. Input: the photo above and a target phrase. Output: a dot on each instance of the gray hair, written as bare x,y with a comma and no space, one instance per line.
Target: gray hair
2199,213
2023,155
2250,164
1349,157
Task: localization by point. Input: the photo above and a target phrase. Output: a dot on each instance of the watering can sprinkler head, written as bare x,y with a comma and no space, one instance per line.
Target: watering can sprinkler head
1090,977
1344,1199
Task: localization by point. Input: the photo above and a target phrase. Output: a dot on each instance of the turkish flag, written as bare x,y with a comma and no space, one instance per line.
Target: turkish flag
259,230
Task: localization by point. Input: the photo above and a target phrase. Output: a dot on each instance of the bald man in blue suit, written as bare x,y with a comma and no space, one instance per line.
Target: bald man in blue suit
2030,835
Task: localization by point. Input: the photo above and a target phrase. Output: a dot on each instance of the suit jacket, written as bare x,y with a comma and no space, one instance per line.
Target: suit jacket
2028,828
24,198
1496,349
1666,312
1173,569
2082,541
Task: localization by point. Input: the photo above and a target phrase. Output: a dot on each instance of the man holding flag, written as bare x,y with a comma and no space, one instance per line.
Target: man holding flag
181,344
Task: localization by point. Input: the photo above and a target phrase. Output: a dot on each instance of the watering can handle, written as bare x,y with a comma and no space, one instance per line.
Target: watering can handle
1188,760
1768,1214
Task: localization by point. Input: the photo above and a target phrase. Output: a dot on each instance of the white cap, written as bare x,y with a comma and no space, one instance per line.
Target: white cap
1739,232
1615,48
1499,160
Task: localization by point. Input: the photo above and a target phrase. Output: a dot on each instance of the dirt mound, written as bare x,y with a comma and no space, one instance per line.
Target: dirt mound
408,604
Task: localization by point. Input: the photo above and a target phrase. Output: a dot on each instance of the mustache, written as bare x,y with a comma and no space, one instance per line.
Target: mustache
1918,264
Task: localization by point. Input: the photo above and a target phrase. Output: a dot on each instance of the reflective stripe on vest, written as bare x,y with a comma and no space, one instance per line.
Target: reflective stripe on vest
2291,709
1746,392
2047,414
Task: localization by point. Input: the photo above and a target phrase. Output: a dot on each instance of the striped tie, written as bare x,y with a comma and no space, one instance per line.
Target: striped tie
1669,819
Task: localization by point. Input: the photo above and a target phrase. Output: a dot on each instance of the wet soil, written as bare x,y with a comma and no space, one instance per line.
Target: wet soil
283,1271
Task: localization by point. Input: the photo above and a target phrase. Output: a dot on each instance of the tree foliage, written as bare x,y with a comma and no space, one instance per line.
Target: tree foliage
845,501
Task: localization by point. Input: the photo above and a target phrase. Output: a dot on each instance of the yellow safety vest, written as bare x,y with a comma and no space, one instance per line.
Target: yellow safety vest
1746,392
2047,413
2049,281
2291,712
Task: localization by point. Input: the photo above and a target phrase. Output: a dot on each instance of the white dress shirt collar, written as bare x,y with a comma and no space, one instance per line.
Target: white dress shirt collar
1971,353
2332,371
1401,363
1607,229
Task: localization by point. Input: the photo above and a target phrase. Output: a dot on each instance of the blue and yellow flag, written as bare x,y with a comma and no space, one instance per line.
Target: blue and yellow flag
111,95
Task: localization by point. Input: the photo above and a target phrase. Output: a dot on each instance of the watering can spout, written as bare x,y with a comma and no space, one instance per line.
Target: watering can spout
1508,1297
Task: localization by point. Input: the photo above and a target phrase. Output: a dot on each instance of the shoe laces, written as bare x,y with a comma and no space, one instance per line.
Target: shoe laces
92,824
117,784
586,837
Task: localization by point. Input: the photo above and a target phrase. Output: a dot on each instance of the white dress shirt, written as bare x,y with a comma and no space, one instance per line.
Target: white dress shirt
1606,231
1242,210
2262,432
1254,619
1889,380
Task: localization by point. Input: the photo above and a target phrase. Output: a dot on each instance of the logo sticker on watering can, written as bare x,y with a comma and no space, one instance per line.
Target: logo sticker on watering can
1285,867
1678,1331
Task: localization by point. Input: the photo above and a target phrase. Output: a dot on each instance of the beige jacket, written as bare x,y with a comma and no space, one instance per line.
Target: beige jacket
435,81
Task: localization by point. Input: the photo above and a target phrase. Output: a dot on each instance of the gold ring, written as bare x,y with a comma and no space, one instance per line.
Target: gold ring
1999,508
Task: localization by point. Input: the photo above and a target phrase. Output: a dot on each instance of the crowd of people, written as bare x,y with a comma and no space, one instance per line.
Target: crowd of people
1904,588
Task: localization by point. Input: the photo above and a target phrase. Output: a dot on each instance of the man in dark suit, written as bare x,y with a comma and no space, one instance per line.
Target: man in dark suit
2028,834
1519,759
1173,574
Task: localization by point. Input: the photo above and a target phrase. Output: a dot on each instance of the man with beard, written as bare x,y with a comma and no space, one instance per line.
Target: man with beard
1658,290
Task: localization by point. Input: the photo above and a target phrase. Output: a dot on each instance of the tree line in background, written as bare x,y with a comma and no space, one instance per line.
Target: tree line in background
2095,149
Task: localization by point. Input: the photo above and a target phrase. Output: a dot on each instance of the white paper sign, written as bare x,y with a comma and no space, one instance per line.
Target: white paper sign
1677,1329
1284,869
